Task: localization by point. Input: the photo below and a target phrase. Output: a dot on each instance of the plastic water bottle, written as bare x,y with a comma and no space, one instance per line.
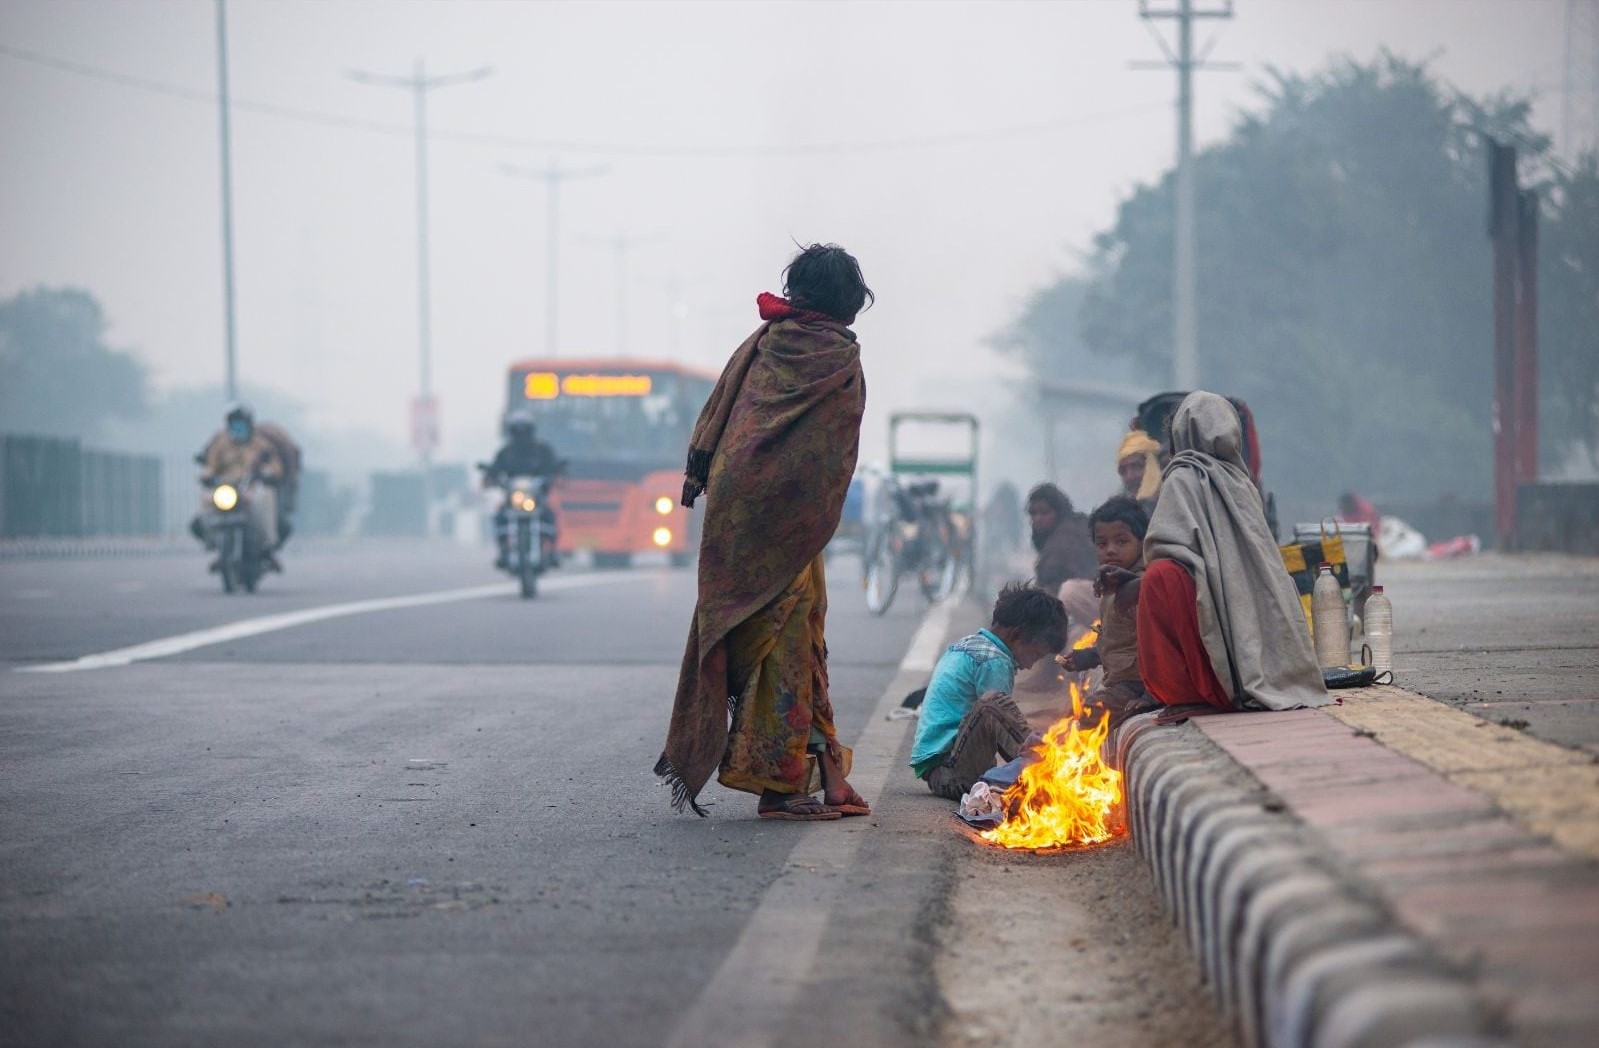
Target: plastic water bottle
1380,630
1331,618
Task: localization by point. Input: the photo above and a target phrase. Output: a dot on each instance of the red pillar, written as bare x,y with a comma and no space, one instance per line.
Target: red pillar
1502,214
1527,338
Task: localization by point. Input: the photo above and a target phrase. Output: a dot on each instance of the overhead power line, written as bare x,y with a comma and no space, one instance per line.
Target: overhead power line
634,149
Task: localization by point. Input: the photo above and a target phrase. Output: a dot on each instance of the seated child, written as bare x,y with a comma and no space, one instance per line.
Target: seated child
968,715
1118,530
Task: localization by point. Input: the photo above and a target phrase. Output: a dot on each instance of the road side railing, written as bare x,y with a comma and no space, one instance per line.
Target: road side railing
53,487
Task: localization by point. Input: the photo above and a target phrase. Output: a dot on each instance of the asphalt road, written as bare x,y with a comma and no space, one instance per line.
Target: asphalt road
435,825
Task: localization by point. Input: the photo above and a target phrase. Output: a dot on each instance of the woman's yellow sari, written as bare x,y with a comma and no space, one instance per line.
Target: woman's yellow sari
779,660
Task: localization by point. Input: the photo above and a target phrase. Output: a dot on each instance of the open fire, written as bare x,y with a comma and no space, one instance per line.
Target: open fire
1069,797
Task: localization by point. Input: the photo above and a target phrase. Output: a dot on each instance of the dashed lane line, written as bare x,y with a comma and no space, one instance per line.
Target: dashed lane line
186,642
748,1001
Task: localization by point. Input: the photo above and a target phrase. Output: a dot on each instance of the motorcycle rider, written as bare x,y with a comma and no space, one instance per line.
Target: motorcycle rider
288,492
523,455
240,455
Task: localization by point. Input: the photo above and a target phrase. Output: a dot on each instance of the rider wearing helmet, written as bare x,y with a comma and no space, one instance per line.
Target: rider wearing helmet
241,454
523,455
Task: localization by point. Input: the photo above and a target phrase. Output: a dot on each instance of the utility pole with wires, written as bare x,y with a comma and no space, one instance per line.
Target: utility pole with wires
678,310
1579,123
552,177
424,413
1185,351
231,347
621,244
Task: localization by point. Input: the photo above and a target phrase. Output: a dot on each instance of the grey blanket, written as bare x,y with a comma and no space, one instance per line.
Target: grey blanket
1209,519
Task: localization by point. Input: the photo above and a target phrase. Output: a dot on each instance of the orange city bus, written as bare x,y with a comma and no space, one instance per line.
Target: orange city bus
623,427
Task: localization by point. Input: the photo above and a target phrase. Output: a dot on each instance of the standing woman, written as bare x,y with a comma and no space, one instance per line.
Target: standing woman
773,453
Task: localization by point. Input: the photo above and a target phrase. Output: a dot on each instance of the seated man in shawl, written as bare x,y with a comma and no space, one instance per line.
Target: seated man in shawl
1219,623
1060,535
968,716
1065,567
1119,526
1138,464
773,452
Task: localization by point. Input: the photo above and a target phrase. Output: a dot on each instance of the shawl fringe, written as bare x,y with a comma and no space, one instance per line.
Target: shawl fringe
696,475
682,799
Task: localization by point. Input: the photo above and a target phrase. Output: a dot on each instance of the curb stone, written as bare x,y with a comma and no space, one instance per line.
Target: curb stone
1298,954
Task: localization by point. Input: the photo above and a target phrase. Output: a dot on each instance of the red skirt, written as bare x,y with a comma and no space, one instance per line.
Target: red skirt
1171,654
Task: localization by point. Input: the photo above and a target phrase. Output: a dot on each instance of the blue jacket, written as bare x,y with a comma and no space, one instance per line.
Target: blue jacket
972,667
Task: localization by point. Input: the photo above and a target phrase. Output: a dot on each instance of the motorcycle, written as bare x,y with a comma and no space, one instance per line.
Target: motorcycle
232,532
531,526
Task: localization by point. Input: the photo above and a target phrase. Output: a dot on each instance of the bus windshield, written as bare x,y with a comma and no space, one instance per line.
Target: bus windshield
634,417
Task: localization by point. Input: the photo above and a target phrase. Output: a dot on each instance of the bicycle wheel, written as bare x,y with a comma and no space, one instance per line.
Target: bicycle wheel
882,579
939,578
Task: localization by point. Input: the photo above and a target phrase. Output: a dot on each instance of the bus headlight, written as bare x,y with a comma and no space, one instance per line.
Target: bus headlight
663,505
662,537
225,497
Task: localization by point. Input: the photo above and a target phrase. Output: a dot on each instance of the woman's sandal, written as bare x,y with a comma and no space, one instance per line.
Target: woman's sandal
800,807
854,804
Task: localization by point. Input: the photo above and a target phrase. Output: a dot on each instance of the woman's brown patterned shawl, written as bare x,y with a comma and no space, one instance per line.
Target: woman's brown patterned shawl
773,451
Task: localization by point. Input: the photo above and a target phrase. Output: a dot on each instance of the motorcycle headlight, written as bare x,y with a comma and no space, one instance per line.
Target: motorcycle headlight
225,497
663,505
663,537
522,500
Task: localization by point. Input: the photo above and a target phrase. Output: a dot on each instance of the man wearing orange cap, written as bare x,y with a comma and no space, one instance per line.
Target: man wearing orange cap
1138,463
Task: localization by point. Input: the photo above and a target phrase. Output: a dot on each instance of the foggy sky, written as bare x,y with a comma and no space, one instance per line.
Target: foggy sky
115,189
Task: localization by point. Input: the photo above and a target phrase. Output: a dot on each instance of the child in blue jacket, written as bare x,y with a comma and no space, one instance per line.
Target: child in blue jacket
968,715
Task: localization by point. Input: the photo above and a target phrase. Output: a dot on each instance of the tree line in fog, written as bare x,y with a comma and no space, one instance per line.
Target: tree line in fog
1345,284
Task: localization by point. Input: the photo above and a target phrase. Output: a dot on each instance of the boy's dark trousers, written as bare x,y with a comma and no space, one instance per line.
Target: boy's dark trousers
993,725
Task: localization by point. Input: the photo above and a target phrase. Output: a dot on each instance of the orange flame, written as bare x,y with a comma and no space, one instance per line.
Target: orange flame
1069,797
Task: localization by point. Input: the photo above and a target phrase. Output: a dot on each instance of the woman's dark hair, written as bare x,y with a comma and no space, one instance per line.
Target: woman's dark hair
1037,614
1052,497
1123,508
824,278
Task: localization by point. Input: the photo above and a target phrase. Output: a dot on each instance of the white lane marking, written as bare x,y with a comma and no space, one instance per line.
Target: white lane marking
927,645
33,594
128,587
747,1002
184,642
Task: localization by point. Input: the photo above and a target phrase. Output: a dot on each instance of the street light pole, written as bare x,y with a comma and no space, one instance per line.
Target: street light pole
621,244
232,366
425,420
424,314
552,177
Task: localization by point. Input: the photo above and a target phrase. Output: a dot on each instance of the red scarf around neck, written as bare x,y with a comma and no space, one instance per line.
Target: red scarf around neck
774,307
